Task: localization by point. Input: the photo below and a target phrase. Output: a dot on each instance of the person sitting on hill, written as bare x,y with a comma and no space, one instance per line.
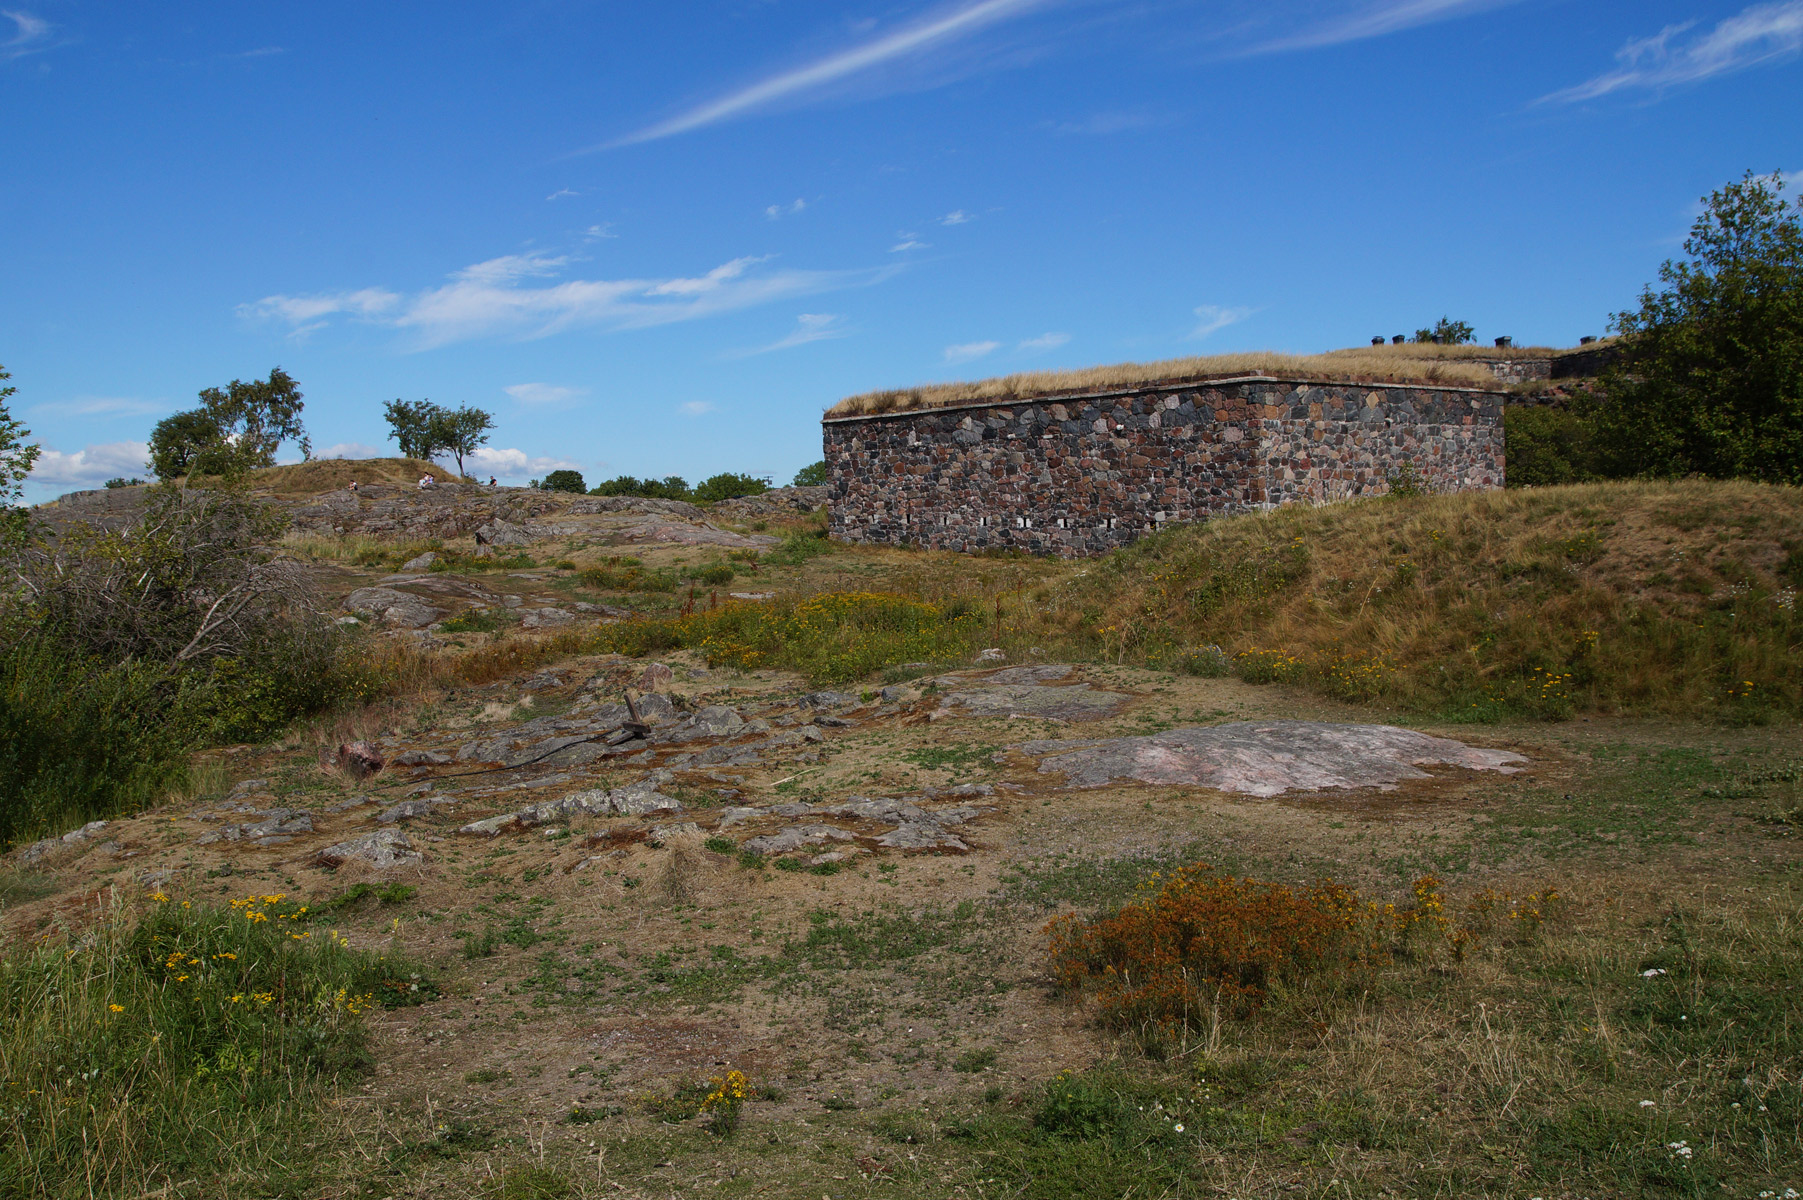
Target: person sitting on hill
426,481
491,481
353,485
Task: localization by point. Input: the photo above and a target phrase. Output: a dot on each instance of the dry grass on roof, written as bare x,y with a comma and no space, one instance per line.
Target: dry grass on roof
1453,366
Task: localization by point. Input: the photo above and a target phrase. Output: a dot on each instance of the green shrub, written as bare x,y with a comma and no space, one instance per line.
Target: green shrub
1209,662
798,547
628,578
728,486
1548,445
715,574
81,740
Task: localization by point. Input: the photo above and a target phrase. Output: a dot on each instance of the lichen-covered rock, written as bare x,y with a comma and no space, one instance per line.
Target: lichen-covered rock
399,609
1265,758
383,849
632,800
920,835
545,618
277,822
783,841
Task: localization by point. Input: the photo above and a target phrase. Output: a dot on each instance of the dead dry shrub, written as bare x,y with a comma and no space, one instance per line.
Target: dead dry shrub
1198,946
1196,940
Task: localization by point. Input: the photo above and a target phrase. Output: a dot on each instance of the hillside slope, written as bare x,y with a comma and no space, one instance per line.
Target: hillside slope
1644,597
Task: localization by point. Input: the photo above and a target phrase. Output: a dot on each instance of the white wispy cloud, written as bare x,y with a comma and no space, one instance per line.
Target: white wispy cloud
307,313
957,22
101,406
908,242
91,466
777,212
1760,34
809,327
970,351
510,463
696,408
512,296
353,450
595,233
956,217
545,395
1377,20
560,193
1211,318
1045,341
30,34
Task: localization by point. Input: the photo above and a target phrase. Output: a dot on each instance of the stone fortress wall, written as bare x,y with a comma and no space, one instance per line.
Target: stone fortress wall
1084,474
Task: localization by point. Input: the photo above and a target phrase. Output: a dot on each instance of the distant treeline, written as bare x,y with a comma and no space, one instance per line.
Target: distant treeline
727,485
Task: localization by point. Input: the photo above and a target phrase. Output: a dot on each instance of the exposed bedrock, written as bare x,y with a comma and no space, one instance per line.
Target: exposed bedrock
1265,758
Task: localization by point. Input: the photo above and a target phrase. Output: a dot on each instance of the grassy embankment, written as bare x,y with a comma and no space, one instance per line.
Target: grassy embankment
1667,598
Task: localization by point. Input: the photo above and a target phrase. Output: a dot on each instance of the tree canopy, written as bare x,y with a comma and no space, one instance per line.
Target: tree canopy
1448,332
236,428
564,481
423,429
1710,381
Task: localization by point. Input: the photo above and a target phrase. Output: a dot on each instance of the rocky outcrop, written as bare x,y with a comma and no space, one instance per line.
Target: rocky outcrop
1265,758
384,849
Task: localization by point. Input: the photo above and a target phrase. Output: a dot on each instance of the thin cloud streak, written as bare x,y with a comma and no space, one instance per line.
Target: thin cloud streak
1759,34
544,395
28,31
809,327
500,297
1213,318
970,351
1377,21
962,21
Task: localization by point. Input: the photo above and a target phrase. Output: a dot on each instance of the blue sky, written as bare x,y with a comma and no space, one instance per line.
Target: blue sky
658,239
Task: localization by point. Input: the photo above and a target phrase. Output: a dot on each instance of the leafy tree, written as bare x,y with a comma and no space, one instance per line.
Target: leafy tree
1448,332
813,475
460,431
564,481
1710,381
120,481
728,486
16,455
410,424
255,418
187,443
423,429
235,429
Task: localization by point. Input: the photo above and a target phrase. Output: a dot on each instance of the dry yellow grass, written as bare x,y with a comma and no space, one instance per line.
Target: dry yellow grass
1452,366
1641,597
329,474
